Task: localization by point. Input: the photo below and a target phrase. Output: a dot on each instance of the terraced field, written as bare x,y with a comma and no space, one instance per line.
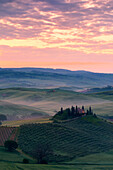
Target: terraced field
71,139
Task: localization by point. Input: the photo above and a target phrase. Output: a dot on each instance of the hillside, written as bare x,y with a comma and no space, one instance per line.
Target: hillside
17,111
77,144
27,102
70,139
52,78
9,157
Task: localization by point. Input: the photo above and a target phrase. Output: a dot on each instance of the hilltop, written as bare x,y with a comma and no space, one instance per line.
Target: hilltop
72,113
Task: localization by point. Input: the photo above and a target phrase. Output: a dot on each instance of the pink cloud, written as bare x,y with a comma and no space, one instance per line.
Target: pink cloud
53,30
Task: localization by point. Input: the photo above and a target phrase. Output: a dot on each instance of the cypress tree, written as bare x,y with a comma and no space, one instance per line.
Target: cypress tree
87,112
69,112
82,107
72,110
90,111
61,110
76,111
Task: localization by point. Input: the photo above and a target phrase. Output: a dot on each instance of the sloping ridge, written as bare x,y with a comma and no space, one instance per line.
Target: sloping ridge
68,139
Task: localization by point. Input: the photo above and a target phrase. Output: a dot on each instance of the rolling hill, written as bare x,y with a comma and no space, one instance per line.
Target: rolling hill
52,78
26,102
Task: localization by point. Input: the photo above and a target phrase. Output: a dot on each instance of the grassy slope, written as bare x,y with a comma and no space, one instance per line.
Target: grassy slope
100,158
71,139
17,123
15,157
106,108
17,110
17,102
16,166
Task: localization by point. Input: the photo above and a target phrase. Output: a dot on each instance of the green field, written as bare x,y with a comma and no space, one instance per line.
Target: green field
17,123
13,161
16,166
10,157
100,158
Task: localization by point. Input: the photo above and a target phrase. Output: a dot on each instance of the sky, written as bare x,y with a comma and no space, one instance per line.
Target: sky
68,34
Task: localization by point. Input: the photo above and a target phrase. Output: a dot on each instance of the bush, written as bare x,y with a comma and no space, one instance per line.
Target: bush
44,162
10,145
95,115
25,161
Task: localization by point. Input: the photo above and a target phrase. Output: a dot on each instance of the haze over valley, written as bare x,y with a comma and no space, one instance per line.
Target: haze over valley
39,92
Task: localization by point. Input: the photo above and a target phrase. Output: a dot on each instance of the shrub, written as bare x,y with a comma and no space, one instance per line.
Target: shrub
10,145
43,161
25,161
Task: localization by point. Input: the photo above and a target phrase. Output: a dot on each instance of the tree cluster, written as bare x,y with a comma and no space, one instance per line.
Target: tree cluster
72,112
3,117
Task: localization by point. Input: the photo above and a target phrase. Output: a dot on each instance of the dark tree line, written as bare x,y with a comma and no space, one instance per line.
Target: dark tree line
2,118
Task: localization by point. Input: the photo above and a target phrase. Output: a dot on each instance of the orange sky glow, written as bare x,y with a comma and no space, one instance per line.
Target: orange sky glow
68,34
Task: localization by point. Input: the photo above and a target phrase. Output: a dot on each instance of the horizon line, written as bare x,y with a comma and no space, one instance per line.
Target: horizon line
55,69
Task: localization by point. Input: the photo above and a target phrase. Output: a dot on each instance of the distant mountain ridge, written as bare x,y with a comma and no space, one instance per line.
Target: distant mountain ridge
52,78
